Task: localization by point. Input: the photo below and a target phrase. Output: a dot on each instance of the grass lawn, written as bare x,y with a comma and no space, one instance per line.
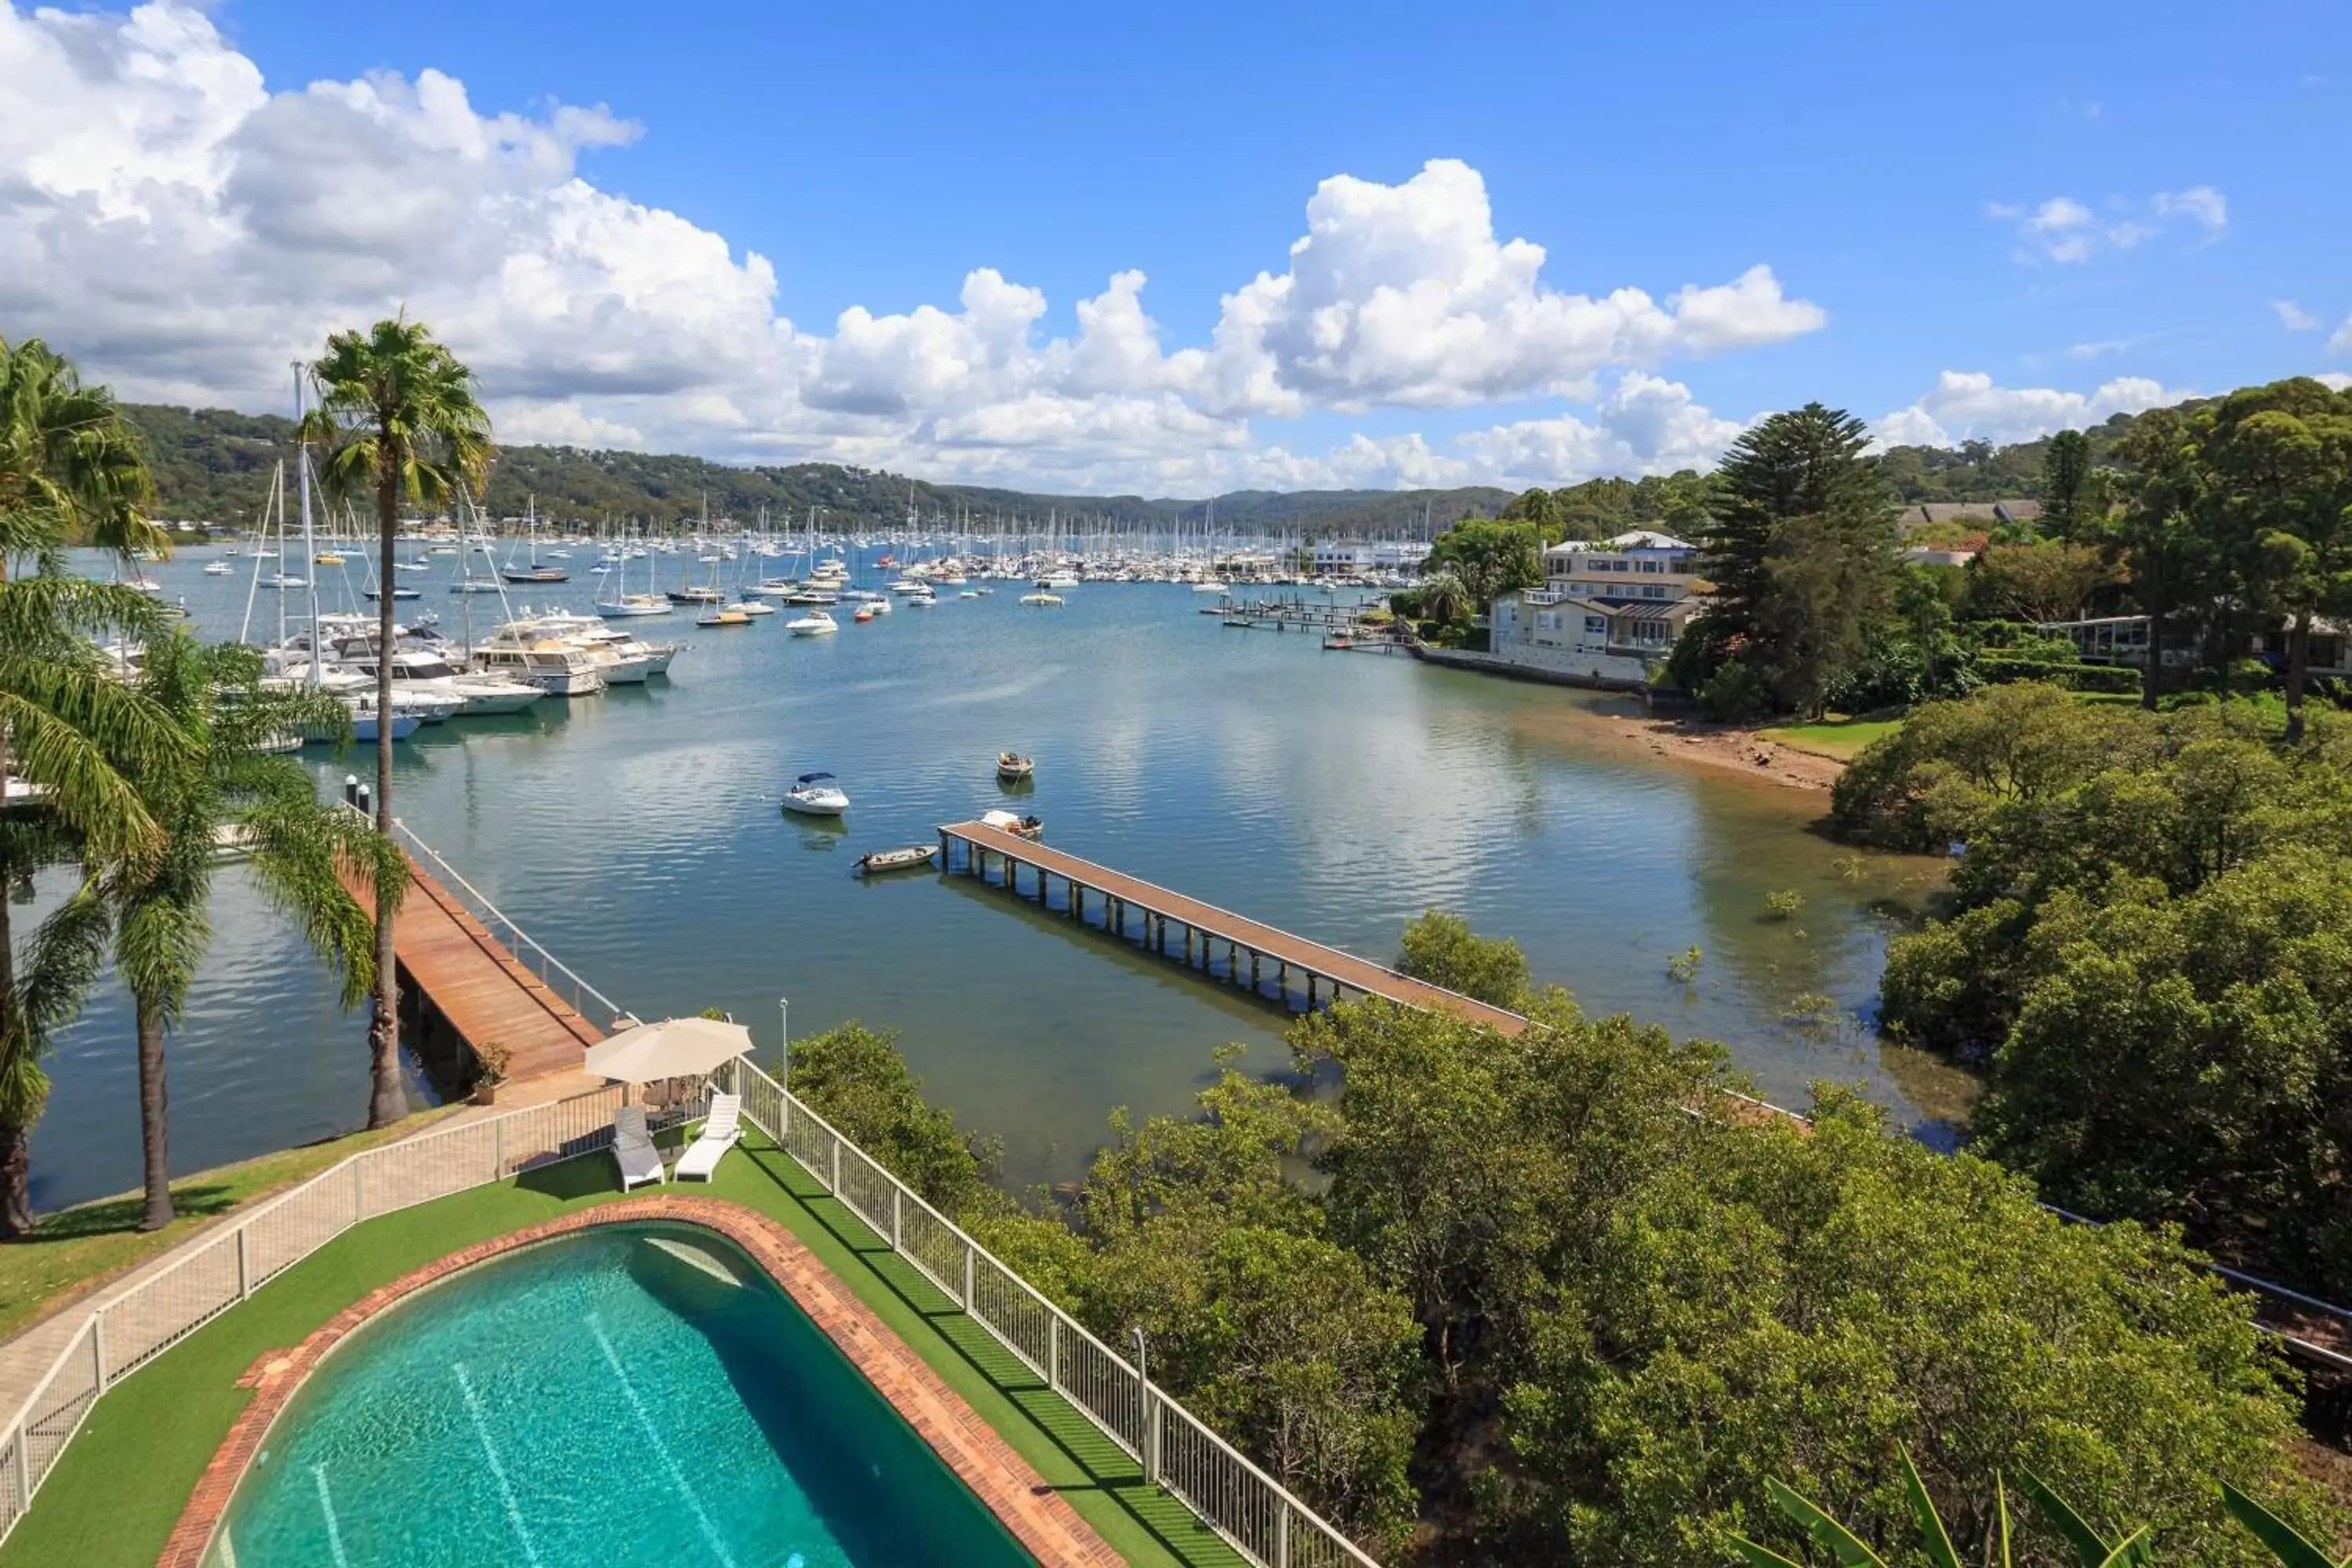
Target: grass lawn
75,1249
1842,738
116,1494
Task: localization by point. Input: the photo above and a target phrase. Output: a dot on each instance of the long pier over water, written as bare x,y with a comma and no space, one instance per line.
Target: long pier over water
1277,965
1271,962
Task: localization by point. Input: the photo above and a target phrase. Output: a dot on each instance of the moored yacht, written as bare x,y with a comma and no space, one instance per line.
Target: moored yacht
815,795
557,667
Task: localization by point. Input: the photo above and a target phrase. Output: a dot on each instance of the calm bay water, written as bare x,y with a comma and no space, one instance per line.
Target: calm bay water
638,835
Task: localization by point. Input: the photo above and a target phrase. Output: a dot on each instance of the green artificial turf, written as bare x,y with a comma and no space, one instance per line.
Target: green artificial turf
114,1497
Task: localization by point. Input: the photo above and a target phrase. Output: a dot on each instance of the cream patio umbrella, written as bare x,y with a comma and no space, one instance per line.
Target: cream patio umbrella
675,1048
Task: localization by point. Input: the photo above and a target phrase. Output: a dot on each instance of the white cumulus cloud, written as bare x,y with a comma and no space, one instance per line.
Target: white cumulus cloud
1967,404
2294,317
187,230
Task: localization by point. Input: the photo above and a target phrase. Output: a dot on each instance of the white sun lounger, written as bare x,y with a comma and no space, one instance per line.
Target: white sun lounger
632,1148
718,1135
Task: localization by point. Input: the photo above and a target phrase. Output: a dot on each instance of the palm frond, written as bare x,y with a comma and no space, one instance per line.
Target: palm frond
298,852
2285,1541
1827,1532
55,973
1933,1536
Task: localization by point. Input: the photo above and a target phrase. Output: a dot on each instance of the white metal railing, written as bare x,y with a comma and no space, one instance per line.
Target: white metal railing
519,942
149,1316
1241,1502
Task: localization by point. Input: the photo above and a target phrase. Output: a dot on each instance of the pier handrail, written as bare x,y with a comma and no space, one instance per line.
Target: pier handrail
516,936
222,1268
1252,1511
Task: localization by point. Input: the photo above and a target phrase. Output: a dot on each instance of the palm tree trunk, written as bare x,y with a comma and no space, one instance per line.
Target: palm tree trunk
387,1102
154,1122
2298,668
16,1120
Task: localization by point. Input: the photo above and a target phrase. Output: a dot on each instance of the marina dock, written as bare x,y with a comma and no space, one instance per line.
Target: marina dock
1271,962
458,983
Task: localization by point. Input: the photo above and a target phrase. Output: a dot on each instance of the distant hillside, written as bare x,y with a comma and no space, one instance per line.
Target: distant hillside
215,466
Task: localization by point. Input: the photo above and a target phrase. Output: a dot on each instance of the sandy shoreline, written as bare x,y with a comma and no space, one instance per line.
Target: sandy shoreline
1728,748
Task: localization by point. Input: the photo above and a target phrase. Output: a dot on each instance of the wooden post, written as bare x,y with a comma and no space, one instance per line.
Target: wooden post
1311,991
1187,947
1254,982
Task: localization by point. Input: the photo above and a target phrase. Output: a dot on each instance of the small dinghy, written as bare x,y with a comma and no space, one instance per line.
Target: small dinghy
1012,767
1020,826
901,859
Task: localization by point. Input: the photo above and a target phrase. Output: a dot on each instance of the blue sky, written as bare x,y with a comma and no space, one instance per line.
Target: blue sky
2072,208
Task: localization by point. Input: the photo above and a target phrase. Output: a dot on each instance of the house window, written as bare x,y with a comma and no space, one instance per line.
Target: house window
1654,589
1652,566
1596,623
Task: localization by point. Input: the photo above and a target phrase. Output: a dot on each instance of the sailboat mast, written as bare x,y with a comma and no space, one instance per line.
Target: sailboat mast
310,569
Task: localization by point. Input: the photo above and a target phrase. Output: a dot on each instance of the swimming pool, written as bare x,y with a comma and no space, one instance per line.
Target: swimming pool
629,1394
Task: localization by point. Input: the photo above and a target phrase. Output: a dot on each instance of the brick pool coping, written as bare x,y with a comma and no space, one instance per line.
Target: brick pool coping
1011,1489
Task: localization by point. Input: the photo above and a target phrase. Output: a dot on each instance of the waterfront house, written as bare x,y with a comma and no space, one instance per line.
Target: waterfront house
1606,611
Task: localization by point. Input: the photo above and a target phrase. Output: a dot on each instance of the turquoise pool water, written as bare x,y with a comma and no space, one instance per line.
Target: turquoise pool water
634,1394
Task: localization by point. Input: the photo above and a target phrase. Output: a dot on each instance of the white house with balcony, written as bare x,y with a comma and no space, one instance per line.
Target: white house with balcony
1606,611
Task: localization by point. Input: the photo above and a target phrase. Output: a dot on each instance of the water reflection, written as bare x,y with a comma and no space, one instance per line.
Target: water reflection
639,836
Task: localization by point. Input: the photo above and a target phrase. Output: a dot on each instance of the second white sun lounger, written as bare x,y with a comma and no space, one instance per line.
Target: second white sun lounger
632,1148
718,1135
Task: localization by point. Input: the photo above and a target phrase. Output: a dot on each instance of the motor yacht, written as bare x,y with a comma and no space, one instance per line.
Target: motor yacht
815,795
815,624
557,667
429,674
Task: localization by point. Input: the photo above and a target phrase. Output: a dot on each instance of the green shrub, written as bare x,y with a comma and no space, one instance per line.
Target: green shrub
2002,671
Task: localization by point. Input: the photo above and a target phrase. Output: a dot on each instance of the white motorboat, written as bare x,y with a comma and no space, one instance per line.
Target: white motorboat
1209,586
1013,822
219,569
815,795
429,675
557,667
1042,600
815,624
753,607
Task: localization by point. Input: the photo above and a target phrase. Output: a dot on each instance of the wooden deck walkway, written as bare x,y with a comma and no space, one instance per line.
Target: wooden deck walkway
458,972
1256,954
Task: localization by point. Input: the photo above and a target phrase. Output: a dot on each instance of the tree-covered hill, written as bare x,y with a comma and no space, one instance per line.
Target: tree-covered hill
215,466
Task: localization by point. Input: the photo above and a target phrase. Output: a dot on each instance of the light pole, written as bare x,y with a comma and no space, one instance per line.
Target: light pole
784,1031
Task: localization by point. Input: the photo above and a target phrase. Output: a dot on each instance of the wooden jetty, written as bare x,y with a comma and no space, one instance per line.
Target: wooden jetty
1271,962
459,984
2313,1331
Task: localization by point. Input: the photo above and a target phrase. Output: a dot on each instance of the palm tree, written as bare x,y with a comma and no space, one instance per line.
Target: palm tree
71,468
152,911
1446,599
398,414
